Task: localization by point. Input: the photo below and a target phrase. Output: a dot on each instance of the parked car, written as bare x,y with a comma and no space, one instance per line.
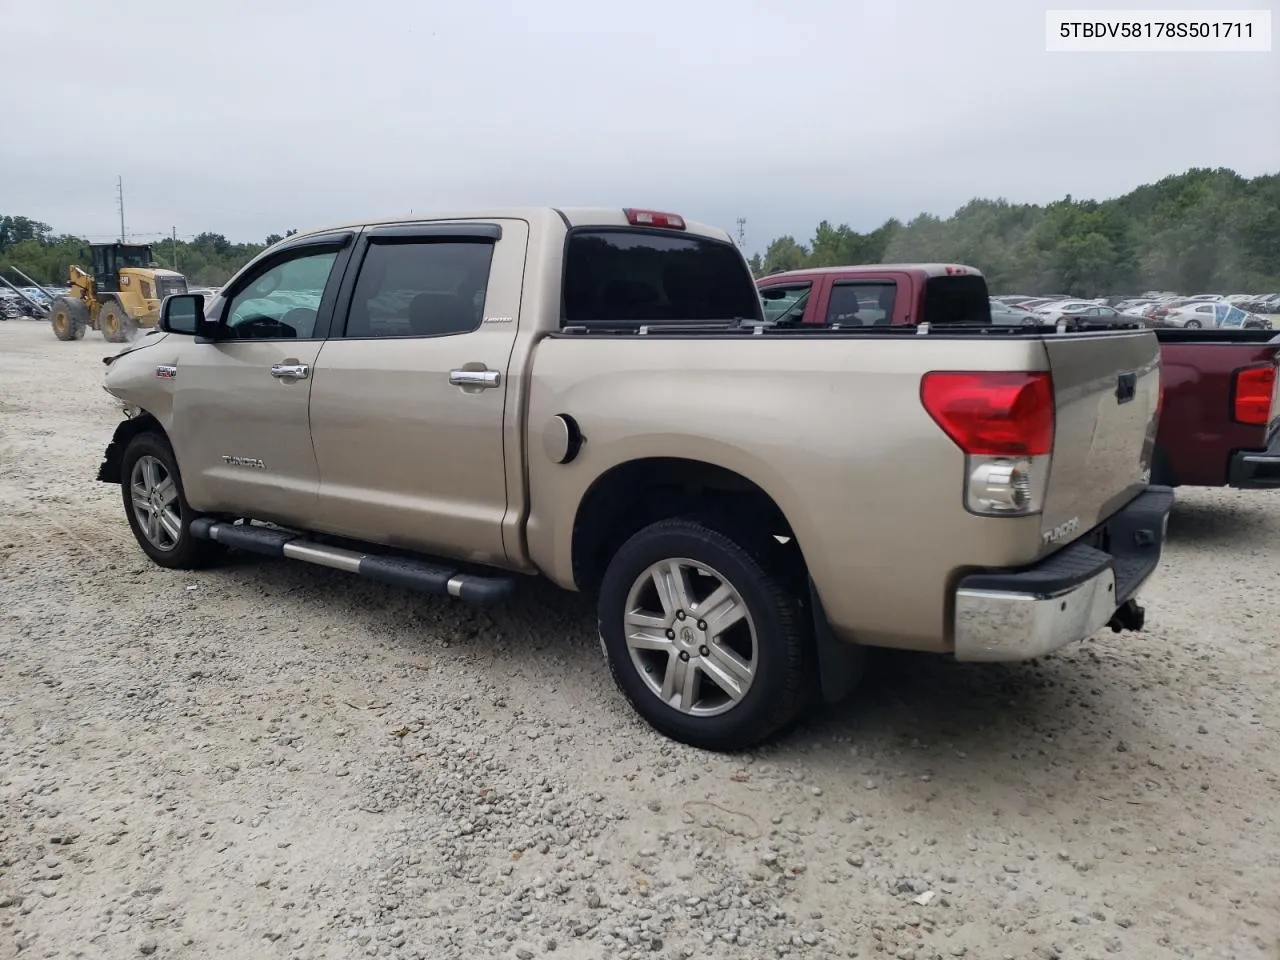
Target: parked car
1210,315
1263,305
595,396
1056,308
1006,315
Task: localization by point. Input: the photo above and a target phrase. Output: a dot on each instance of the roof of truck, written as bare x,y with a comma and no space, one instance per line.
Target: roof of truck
535,216
920,269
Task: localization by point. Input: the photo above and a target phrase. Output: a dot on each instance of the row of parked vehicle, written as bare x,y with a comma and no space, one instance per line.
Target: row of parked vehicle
1203,311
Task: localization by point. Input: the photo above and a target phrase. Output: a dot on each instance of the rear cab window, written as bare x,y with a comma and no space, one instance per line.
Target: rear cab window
655,276
956,300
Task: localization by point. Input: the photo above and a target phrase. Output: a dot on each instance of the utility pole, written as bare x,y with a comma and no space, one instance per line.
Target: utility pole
742,233
120,200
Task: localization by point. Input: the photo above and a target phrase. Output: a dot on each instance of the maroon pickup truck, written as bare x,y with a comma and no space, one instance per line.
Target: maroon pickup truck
1220,414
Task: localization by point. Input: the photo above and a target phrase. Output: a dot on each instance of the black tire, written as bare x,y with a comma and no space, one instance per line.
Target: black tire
68,318
785,678
186,552
1193,324
116,325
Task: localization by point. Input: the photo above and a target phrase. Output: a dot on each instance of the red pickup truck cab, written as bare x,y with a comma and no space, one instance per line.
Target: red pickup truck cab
874,294
1220,414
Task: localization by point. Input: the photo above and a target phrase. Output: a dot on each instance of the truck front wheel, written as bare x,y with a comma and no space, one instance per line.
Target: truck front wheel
704,636
157,508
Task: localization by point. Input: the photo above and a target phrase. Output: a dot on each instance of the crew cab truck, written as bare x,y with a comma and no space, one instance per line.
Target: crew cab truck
592,395
1220,403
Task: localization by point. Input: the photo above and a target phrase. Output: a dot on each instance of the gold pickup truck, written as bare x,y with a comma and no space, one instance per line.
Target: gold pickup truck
452,404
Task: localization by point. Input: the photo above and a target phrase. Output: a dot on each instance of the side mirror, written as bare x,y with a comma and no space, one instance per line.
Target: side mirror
184,313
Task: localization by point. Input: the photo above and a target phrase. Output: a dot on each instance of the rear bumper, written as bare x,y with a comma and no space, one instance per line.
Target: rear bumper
1069,596
1256,469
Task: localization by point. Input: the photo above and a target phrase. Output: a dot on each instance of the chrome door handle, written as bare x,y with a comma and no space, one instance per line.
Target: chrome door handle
475,378
290,371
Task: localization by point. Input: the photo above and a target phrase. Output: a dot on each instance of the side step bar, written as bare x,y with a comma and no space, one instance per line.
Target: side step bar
438,578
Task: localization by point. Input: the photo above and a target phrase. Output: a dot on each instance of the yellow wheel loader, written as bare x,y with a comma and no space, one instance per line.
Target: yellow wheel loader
121,296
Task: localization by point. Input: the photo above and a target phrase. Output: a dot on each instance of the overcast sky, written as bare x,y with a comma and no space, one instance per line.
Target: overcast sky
248,118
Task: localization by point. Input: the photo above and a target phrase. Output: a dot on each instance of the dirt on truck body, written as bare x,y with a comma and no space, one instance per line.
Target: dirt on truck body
592,395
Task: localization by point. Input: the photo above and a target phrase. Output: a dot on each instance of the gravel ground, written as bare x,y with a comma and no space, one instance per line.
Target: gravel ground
271,760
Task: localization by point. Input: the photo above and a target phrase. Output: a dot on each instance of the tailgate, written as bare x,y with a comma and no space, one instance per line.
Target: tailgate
1106,389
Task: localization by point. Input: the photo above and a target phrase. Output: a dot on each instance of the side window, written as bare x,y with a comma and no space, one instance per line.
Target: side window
867,304
1206,309
281,303
420,288
785,303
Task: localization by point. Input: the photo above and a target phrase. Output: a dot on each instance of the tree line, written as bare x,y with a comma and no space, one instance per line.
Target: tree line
1203,231
208,259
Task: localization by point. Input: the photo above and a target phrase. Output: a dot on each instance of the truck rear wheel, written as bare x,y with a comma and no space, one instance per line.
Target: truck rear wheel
704,638
116,325
157,508
68,318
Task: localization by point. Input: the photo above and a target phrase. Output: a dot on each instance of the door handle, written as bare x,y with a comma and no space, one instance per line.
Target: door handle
475,378
290,371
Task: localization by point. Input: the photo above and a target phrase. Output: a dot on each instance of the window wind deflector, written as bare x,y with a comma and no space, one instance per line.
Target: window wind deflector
338,239
478,232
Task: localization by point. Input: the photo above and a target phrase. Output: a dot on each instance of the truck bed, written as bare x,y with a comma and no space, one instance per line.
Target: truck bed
880,488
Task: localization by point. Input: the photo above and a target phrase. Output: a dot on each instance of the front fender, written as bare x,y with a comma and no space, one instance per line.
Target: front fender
126,430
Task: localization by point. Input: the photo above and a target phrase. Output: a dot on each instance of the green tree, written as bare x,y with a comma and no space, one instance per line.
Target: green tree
1203,231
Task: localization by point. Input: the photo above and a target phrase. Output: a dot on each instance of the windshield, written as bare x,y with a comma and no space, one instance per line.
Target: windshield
627,274
134,256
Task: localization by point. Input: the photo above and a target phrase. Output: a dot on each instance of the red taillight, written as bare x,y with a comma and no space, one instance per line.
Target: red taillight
1253,394
652,218
992,414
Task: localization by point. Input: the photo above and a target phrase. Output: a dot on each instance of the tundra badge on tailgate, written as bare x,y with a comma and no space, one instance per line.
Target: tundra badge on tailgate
1062,531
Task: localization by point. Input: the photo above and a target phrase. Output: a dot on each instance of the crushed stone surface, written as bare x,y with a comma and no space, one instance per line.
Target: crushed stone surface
270,759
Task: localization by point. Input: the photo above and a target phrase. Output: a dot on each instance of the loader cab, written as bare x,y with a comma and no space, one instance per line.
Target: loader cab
110,258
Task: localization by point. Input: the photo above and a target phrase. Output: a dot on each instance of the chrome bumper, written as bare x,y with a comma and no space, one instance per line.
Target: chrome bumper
992,625
1069,596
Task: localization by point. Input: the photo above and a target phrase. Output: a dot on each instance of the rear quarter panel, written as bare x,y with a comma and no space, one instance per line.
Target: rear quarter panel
831,428
1197,433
